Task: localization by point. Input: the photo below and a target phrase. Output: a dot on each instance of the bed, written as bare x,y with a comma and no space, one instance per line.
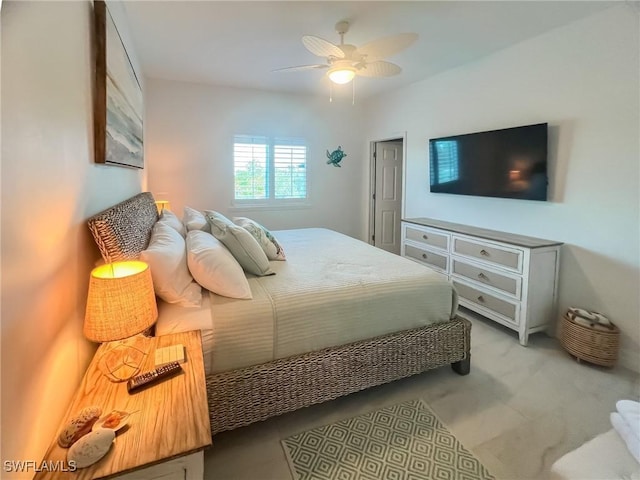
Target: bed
337,317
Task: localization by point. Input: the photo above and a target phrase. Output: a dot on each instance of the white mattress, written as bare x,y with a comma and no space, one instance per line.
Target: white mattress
332,290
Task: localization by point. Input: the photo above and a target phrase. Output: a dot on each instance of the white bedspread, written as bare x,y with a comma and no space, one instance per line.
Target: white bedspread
332,290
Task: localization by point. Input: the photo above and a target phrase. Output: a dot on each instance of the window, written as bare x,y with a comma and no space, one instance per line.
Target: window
269,168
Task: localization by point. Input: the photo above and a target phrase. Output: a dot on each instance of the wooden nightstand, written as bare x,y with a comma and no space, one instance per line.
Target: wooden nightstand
165,439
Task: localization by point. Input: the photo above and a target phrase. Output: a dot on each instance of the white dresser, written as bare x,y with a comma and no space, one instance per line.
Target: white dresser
511,279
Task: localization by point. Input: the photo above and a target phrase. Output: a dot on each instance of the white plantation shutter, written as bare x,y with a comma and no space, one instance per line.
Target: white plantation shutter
269,168
250,156
290,168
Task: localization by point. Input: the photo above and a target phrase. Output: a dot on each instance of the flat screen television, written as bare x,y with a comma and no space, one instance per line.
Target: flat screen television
507,163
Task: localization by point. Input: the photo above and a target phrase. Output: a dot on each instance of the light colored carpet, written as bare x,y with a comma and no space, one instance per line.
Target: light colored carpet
403,441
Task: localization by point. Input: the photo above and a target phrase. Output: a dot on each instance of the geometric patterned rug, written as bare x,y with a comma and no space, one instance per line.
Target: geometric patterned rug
404,441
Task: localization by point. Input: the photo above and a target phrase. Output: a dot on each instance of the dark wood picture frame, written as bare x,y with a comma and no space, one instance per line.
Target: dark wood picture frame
118,104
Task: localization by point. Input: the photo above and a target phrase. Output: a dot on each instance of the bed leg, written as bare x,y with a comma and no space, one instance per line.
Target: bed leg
463,367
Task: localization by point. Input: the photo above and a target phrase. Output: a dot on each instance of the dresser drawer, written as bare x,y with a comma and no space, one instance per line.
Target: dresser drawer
509,285
510,258
483,299
428,237
426,256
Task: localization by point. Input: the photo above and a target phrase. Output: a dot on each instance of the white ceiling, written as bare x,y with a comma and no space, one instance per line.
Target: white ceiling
237,43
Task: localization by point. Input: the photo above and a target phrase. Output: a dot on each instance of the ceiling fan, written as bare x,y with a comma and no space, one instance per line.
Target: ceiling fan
345,61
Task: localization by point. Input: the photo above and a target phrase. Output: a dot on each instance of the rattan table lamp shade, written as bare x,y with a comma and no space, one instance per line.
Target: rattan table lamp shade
121,302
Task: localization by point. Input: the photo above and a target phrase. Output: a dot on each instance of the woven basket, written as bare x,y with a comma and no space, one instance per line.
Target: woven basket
594,344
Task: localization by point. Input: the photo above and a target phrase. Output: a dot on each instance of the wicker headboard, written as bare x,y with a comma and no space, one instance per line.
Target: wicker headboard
123,231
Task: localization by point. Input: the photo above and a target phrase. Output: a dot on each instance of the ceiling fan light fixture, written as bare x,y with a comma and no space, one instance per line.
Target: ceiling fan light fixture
341,75
345,61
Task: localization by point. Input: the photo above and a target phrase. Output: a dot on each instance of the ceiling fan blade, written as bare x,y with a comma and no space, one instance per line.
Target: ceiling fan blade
321,47
300,68
385,47
379,69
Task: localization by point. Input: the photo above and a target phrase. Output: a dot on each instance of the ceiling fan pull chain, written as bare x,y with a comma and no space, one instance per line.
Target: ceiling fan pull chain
353,91
330,92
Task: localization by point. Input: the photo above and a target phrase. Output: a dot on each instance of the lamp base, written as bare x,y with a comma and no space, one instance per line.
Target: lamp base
122,360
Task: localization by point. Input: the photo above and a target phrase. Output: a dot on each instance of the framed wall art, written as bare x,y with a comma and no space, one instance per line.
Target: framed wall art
118,102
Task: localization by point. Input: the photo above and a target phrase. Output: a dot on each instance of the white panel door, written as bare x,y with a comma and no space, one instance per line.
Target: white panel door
388,195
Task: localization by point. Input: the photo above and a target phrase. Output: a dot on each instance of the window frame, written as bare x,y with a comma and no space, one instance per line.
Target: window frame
271,201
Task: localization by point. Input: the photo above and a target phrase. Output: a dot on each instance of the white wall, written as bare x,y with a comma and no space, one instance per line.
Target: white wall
583,80
190,129
50,186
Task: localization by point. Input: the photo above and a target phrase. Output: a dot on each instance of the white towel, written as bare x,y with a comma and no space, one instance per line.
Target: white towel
626,433
628,407
630,412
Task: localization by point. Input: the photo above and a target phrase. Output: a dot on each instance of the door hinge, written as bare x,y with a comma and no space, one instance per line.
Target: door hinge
374,196
373,238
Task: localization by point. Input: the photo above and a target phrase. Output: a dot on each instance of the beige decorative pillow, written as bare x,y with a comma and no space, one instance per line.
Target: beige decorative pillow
246,249
194,220
265,238
167,259
213,266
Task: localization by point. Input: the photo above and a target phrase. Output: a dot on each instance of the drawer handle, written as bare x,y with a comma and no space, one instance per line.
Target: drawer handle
480,298
424,255
482,276
484,252
426,237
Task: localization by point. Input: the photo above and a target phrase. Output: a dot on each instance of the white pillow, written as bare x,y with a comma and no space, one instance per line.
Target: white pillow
265,238
195,220
167,259
213,266
246,249
173,221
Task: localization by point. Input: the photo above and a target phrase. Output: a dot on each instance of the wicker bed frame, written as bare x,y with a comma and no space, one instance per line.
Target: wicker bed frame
241,397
